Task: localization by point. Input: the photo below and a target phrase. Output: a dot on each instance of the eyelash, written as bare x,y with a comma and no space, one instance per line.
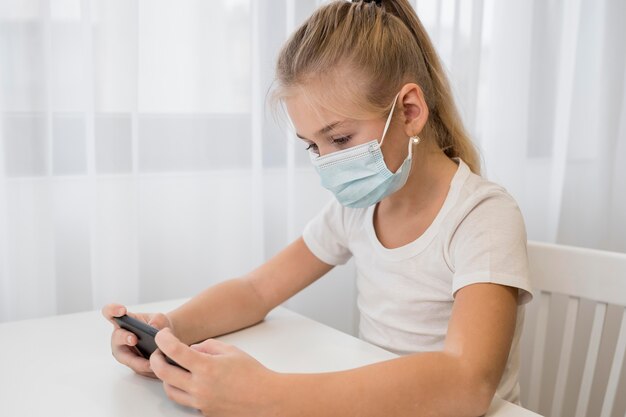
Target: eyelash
338,141
341,140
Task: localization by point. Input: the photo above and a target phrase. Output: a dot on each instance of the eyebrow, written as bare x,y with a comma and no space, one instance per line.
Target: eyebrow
323,130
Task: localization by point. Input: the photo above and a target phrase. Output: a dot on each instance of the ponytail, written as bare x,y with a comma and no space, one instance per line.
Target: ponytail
451,134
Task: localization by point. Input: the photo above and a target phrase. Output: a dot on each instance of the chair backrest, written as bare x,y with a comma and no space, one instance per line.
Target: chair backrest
578,276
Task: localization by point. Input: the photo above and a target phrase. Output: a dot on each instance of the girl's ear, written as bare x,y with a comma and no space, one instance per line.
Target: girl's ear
414,109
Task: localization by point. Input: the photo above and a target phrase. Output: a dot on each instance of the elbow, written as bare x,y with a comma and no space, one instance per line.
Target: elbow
482,401
480,394
476,392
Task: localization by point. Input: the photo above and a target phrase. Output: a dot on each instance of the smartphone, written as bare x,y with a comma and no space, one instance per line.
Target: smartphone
145,336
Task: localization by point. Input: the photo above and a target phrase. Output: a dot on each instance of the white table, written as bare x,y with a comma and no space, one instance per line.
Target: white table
62,365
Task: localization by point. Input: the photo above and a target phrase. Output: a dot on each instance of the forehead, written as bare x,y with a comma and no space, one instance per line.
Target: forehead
307,116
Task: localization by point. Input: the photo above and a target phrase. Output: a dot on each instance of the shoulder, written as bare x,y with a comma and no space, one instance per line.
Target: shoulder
342,219
487,238
485,217
327,234
482,201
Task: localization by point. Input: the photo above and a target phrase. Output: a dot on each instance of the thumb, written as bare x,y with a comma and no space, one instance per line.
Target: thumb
212,347
159,321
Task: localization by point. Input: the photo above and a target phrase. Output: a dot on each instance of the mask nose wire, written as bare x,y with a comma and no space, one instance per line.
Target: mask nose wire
389,119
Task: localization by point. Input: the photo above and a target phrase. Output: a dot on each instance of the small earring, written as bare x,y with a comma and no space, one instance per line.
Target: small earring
415,139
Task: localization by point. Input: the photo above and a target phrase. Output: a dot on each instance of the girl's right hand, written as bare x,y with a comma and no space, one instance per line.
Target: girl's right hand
123,342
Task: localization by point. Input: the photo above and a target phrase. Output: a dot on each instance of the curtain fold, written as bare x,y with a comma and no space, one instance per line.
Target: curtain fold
138,159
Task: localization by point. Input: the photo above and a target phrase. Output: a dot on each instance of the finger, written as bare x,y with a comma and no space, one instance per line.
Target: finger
212,347
113,310
122,342
178,351
123,337
173,375
179,396
138,316
127,355
150,375
159,321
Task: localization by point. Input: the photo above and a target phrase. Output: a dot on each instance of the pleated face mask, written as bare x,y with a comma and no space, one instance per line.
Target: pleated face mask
358,176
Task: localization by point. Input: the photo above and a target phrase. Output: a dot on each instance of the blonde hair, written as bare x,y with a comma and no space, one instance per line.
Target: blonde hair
367,52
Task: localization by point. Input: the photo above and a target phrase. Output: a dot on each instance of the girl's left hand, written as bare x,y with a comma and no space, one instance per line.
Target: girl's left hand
222,380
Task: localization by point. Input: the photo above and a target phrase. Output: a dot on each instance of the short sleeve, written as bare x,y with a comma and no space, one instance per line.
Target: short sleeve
489,246
325,235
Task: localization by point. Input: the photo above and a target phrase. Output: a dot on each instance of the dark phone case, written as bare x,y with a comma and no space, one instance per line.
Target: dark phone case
145,336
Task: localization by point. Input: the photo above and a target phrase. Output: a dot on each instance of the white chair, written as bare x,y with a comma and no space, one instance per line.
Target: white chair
576,275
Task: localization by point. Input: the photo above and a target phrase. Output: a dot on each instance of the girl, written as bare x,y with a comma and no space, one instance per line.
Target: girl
440,252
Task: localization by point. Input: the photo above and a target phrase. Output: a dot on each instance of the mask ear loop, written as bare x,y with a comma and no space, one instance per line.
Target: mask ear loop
413,140
389,119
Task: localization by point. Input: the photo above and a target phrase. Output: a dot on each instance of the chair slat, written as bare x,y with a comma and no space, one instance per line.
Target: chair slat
590,274
618,361
568,270
590,362
566,354
536,369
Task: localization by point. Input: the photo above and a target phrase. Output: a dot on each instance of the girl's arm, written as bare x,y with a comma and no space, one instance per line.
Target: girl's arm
459,381
242,302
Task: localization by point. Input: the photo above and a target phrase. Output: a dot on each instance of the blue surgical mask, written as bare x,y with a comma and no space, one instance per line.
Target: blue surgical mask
358,176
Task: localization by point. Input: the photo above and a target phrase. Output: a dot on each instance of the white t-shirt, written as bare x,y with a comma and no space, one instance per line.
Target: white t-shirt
405,295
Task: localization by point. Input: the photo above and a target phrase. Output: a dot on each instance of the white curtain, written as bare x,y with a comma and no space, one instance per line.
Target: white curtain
138,161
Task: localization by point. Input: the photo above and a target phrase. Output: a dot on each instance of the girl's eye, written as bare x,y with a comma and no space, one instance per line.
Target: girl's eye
341,140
